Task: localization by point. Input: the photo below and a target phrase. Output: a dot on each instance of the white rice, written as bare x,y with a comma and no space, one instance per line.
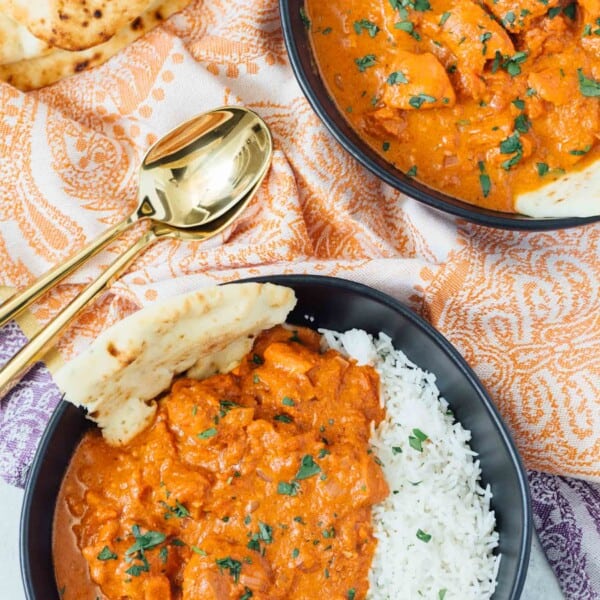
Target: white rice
435,492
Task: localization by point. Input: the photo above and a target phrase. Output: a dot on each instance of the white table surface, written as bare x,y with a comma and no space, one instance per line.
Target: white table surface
540,583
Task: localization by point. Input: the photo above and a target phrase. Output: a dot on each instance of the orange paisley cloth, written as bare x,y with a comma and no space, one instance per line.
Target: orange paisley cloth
523,308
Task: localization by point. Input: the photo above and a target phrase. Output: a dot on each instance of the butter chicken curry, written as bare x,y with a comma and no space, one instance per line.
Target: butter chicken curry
481,100
254,484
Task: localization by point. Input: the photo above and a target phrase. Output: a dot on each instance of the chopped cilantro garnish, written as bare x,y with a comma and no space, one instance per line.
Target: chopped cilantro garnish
308,468
367,25
397,77
288,489
287,401
365,62
207,433
416,439
418,101
424,537
247,594
542,168
283,418
106,554
444,18
588,87
230,564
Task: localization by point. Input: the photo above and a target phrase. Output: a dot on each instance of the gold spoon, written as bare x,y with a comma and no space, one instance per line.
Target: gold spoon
191,176
177,153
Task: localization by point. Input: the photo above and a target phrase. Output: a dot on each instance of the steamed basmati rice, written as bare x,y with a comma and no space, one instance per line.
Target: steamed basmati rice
435,530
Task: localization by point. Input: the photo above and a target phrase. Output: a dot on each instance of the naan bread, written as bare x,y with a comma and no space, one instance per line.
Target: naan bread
75,24
118,377
17,43
54,64
573,195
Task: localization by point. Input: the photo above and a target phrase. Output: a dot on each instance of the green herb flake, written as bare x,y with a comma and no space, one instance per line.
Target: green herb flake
397,77
588,87
145,541
288,489
230,564
385,146
247,594
366,25
308,468
520,104
257,360
207,433
287,401
416,440
365,62
163,554
522,123
106,554
295,553
419,100
412,172
283,418
442,594
424,537
444,18
486,184
265,532
542,168
580,152
304,17
351,594
396,450
137,570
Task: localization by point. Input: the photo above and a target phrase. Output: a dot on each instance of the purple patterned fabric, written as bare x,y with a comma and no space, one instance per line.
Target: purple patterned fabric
566,511
24,412
567,519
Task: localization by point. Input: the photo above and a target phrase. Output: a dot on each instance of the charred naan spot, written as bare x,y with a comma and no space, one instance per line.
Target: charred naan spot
63,16
137,24
158,15
97,14
112,350
85,23
81,66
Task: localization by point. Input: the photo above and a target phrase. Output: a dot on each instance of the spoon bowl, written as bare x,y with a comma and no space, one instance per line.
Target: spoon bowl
194,183
202,168
191,176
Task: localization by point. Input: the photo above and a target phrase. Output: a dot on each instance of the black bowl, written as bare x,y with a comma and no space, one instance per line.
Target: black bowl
336,304
304,66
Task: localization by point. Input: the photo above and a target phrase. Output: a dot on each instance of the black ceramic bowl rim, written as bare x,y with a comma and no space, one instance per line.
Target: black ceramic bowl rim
358,290
300,54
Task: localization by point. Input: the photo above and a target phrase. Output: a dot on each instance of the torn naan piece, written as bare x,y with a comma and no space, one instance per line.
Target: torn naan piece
18,43
75,24
573,194
53,64
206,332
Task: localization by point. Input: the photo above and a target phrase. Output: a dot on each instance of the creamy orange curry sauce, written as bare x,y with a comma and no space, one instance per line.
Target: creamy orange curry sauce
482,100
255,484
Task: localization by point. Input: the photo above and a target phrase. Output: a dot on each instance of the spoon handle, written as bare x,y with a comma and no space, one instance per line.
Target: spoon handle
21,300
40,343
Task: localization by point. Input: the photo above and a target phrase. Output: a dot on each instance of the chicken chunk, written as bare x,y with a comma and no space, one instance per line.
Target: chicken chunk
419,81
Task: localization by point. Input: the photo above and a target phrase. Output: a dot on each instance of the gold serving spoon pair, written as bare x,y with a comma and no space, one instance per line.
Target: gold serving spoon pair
194,182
